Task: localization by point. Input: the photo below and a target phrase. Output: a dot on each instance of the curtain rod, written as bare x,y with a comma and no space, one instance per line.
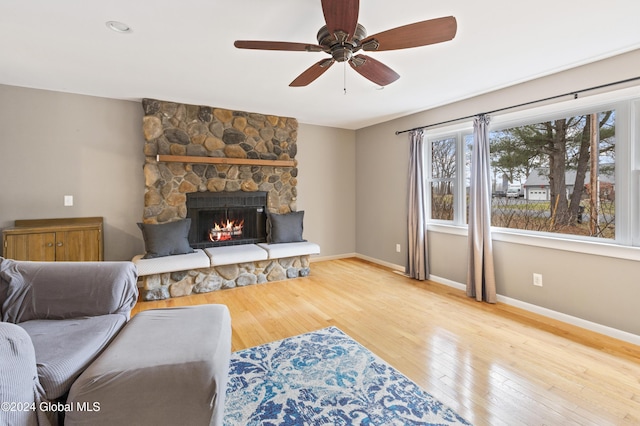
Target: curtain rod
575,94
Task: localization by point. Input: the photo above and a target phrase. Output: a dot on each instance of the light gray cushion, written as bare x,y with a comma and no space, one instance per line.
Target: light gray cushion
178,262
165,239
285,228
166,367
227,255
64,348
279,251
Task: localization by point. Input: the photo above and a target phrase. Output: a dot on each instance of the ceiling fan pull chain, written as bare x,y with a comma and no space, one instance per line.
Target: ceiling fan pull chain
344,77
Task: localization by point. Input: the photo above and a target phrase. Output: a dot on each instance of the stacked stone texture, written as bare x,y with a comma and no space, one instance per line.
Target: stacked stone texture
176,129
188,130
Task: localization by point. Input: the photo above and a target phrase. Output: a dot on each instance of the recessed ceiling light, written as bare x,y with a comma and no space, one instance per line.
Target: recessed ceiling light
118,27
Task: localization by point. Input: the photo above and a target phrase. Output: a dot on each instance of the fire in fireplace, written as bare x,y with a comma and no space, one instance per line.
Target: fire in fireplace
226,218
226,231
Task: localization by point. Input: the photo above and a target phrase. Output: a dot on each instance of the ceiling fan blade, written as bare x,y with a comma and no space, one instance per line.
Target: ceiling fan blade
277,45
312,73
341,15
373,70
413,35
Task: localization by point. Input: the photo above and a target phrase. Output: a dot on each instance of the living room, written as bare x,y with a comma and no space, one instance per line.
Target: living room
55,144
93,150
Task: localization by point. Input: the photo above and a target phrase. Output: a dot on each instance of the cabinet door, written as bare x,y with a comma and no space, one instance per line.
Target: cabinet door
35,247
81,245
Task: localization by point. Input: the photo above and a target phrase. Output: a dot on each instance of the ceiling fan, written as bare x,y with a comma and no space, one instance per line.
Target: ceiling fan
342,37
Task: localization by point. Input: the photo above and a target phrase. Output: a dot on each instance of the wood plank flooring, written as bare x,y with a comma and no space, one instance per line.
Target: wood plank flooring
493,364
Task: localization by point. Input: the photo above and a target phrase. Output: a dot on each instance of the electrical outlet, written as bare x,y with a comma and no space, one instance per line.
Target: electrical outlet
68,200
397,248
537,280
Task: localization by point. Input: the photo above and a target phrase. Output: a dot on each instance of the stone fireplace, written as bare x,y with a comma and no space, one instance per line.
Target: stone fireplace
225,170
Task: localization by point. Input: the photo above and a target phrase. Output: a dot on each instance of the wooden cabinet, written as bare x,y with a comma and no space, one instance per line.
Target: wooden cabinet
75,239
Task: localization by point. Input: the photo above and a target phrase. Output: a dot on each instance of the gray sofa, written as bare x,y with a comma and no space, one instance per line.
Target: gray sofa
69,354
56,318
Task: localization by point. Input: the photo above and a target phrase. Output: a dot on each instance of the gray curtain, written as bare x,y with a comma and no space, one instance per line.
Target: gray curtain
481,282
417,266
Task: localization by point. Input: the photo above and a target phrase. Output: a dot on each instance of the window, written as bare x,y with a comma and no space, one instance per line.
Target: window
558,175
448,184
568,171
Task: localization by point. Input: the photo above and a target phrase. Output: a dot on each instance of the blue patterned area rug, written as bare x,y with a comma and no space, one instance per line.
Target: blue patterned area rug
325,378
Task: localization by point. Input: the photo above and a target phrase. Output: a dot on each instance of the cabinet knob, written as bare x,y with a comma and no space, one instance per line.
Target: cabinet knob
49,244
59,244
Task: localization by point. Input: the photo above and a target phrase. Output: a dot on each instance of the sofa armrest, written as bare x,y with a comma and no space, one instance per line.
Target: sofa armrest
61,290
20,389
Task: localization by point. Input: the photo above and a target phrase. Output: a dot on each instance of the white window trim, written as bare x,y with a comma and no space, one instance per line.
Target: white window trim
597,248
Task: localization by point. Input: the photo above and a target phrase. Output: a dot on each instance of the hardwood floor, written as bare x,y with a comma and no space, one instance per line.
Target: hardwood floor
493,364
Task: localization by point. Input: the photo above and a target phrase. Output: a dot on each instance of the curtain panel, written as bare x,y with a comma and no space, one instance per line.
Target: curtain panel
417,265
481,282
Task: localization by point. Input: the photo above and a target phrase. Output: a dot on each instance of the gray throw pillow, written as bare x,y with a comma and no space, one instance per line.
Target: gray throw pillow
165,239
285,228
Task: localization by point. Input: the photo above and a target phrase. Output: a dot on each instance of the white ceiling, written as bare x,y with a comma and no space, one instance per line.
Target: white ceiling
183,51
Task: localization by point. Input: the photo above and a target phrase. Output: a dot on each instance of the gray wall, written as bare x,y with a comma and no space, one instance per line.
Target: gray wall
54,144
381,193
600,289
327,188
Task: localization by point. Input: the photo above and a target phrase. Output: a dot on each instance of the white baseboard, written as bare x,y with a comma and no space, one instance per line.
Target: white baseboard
334,257
569,319
359,256
380,262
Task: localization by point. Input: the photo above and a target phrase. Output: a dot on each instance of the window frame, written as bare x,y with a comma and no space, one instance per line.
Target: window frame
626,244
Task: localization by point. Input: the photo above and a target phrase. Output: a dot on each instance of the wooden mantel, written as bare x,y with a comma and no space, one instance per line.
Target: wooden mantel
223,160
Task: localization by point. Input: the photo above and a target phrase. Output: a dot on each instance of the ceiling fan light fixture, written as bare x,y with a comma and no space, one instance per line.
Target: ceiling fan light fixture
341,53
119,27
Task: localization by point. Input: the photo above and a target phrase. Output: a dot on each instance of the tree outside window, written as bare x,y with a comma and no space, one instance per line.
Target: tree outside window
564,170
442,179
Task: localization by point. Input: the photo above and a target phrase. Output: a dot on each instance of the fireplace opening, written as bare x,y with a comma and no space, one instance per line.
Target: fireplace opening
226,218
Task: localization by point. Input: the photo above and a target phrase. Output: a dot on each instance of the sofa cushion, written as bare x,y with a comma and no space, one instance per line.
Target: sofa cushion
278,251
64,348
165,239
227,255
145,378
179,262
